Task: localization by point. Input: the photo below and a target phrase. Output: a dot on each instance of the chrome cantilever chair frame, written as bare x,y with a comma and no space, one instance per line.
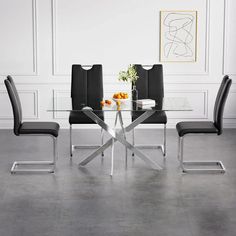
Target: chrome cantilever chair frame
158,146
72,146
16,164
180,156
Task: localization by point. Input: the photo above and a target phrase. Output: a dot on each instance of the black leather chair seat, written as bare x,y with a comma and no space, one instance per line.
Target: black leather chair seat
51,128
156,118
195,127
81,118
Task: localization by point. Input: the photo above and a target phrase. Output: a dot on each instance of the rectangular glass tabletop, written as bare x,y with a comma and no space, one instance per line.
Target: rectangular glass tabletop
166,104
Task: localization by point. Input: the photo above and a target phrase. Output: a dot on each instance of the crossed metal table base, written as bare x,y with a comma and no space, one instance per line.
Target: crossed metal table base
118,136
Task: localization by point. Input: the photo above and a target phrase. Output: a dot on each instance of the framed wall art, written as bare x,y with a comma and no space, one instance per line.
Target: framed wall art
178,36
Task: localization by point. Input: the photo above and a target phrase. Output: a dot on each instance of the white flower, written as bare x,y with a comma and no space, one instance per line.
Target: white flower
129,76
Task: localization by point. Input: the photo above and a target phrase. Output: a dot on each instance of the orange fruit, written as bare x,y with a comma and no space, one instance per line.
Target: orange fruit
102,103
120,95
108,102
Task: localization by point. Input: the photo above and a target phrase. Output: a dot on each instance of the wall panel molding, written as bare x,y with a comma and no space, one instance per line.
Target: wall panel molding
225,42
35,94
35,47
227,114
225,45
35,109
61,97
35,39
207,42
54,72
206,49
190,114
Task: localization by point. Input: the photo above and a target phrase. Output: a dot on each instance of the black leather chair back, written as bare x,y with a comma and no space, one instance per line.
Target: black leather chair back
220,103
15,102
225,78
16,93
150,82
86,86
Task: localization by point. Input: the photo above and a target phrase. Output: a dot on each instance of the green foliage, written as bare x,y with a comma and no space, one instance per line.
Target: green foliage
128,76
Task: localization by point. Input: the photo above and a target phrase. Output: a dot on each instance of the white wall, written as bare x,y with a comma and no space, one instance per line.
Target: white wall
41,39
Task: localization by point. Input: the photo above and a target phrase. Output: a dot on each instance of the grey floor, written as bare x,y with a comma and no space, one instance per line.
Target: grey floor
136,201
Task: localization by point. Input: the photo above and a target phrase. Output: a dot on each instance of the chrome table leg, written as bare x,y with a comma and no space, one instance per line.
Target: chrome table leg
112,148
118,136
124,135
112,156
102,137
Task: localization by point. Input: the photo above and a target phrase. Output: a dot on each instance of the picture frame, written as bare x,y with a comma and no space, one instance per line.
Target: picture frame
178,36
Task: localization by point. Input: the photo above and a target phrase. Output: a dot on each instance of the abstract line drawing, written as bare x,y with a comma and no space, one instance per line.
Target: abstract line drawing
178,36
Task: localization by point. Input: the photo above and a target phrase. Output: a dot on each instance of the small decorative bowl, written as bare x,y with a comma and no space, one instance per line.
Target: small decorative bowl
122,100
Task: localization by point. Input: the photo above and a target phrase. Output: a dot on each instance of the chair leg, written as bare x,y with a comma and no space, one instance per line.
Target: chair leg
183,163
164,143
133,140
55,152
178,149
162,147
102,139
71,147
181,154
16,164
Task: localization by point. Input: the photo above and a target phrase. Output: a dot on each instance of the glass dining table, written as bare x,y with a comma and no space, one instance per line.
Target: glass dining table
119,135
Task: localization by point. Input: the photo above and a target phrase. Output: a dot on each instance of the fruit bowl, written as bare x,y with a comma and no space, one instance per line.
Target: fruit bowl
122,100
121,97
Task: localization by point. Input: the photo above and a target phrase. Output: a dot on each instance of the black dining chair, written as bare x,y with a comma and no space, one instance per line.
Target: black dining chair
205,127
86,90
50,129
150,85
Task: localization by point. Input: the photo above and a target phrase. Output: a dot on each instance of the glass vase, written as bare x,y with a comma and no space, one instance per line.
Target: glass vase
134,93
